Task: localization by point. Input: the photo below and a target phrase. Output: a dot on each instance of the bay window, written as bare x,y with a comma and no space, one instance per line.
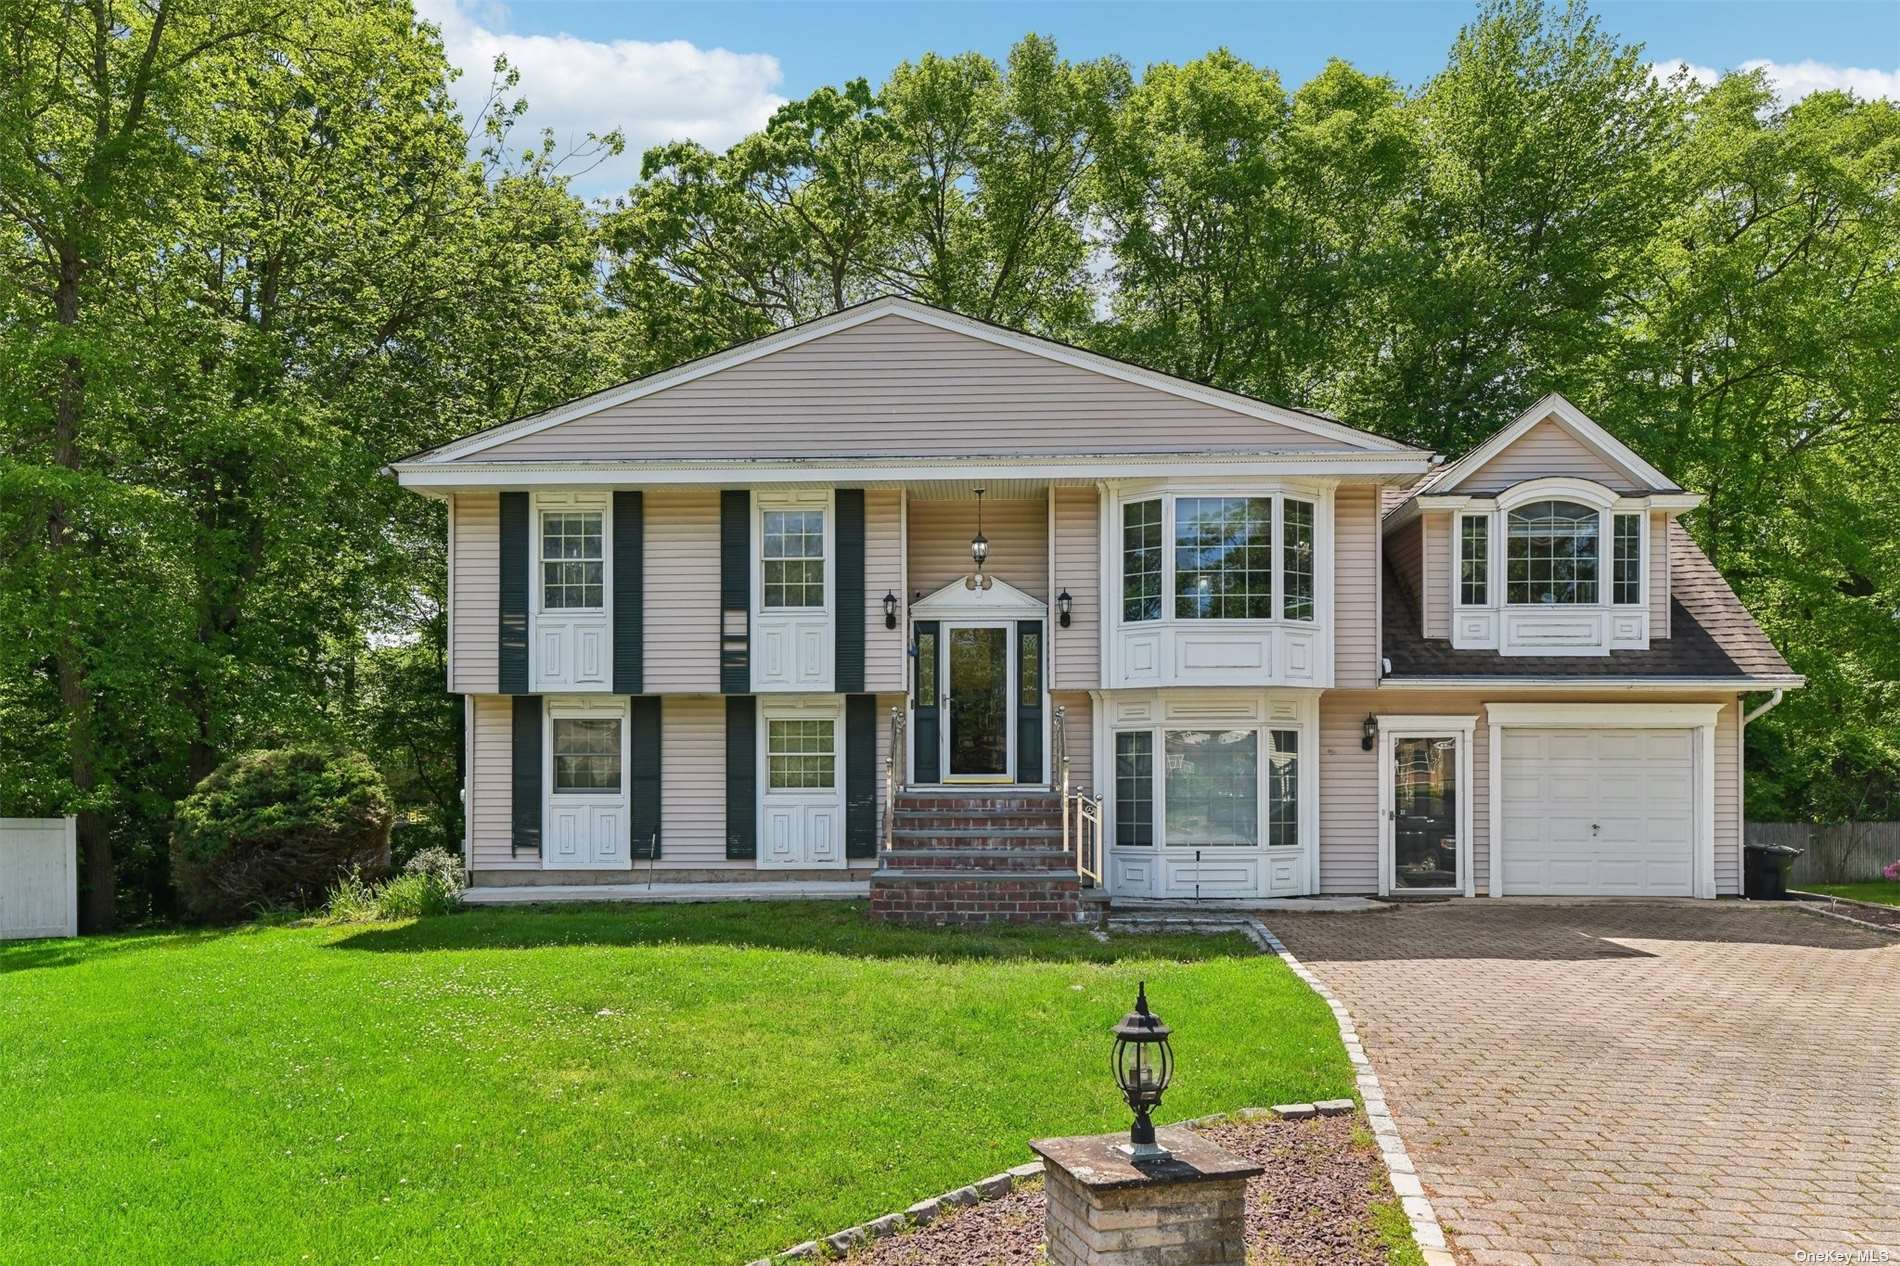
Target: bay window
1210,788
1283,788
1193,557
1551,555
1135,788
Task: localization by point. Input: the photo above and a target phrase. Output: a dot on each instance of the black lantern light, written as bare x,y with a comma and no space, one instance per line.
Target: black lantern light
979,550
1143,1065
890,609
1063,605
1368,732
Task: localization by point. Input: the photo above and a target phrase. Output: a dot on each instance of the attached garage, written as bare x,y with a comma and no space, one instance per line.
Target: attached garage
1602,800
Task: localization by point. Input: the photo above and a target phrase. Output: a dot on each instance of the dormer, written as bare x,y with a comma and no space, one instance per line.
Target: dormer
1548,539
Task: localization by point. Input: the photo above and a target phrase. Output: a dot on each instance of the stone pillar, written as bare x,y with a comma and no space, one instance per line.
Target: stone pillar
1105,1208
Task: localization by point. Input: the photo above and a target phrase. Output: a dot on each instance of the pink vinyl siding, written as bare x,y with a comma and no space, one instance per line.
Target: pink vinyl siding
1546,449
1078,728
682,590
491,787
1018,532
1435,602
899,387
884,659
1355,586
475,613
1349,779
693,785
1658,578
1077,657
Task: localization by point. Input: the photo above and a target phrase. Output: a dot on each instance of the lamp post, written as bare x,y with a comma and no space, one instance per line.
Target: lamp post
1144,1065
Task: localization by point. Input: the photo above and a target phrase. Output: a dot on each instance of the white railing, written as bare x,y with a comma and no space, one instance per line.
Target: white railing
1088,839
893,761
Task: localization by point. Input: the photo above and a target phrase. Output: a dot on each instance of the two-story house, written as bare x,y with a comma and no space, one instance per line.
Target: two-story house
692,614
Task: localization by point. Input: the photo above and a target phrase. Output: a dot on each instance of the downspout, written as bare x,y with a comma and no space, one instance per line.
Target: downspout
1741,757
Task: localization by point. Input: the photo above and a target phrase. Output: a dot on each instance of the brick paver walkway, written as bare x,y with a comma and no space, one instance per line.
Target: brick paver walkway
1632,1083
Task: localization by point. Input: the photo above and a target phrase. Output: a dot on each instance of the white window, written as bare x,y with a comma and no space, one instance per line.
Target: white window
1210,788
1474,560
573,567
1283,788
1296,559
586,755
1141,561
1626,560
1552,554
801,754
1223,552
793,554
1135,788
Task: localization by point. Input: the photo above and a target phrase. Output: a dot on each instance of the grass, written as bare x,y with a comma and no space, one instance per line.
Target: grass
1883,891
604,1084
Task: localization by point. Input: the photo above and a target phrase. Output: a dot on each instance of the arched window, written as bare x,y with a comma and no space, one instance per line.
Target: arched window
1552,553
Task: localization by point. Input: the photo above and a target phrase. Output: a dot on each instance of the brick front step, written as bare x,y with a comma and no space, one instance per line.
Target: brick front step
993,802
1050,860
973,897
913,821
977,838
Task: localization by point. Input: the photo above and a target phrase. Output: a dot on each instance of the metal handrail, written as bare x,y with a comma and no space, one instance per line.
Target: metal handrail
1088,838
892,763
1059,746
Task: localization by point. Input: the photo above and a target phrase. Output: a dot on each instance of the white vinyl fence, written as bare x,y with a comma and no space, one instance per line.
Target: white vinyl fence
1840,854
39,877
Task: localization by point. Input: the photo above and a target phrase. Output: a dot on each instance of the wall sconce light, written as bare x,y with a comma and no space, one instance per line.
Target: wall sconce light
1063,605
1368,732
890,609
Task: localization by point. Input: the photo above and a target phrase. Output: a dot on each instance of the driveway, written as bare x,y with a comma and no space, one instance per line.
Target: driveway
1632,1083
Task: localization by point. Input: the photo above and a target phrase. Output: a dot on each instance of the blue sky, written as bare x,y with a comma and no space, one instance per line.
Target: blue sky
713,71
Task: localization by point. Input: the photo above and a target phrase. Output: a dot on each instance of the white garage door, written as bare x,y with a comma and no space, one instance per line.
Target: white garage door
1599,812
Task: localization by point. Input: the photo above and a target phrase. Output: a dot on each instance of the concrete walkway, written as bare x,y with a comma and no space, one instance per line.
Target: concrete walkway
664,893
1586,1084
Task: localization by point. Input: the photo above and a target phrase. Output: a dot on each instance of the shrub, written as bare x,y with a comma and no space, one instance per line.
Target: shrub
1892,871
278,827
430,884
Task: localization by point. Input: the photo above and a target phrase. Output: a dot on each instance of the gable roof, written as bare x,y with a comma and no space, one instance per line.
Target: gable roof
1551,411
1711,637
642,418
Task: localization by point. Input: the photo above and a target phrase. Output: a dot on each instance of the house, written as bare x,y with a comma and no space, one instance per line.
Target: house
865,592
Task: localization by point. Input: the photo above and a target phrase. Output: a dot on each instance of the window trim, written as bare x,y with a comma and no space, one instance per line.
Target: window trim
543,507
1321,501
825,544
784,718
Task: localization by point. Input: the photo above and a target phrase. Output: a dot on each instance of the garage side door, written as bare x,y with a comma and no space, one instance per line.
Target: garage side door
1598,812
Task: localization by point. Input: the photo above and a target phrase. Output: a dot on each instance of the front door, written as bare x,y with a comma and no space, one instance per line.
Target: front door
979,740
1424,848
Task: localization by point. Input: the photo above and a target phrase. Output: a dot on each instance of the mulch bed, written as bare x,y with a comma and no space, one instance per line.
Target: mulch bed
1865,912
1310,1205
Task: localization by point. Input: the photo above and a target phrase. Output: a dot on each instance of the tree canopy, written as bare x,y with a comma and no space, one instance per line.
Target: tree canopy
252,253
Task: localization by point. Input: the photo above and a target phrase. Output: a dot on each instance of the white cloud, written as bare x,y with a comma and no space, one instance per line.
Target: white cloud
1795,80
653,91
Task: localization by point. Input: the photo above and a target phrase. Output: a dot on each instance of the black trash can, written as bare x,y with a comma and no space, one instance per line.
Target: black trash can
1765,871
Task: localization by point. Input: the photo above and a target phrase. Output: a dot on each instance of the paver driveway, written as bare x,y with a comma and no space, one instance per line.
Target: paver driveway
1622,1083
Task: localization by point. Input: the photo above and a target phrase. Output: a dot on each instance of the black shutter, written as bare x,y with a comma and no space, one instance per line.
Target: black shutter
644,820
860,776
742,777
1029,671
526,788
849,644
735,591
926,667
629,593
512,674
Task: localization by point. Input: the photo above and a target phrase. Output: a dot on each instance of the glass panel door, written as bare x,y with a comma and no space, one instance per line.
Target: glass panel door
1425,811
979,703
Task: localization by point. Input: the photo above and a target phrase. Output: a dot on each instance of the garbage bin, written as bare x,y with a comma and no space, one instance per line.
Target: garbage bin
1765,871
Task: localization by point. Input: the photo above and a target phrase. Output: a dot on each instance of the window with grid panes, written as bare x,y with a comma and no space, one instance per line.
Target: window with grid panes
573,569
800,755
793,555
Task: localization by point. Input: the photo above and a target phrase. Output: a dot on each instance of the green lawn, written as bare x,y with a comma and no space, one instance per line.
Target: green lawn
1884,891
604,1084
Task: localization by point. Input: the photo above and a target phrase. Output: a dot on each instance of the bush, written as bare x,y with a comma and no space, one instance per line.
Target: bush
279,828
430,884
1892,871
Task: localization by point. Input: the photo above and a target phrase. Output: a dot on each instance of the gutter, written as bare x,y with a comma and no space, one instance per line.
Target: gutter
1774,701
1777,684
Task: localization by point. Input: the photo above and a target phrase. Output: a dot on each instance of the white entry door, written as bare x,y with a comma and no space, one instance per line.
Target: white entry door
801,812
1599,812
584,768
